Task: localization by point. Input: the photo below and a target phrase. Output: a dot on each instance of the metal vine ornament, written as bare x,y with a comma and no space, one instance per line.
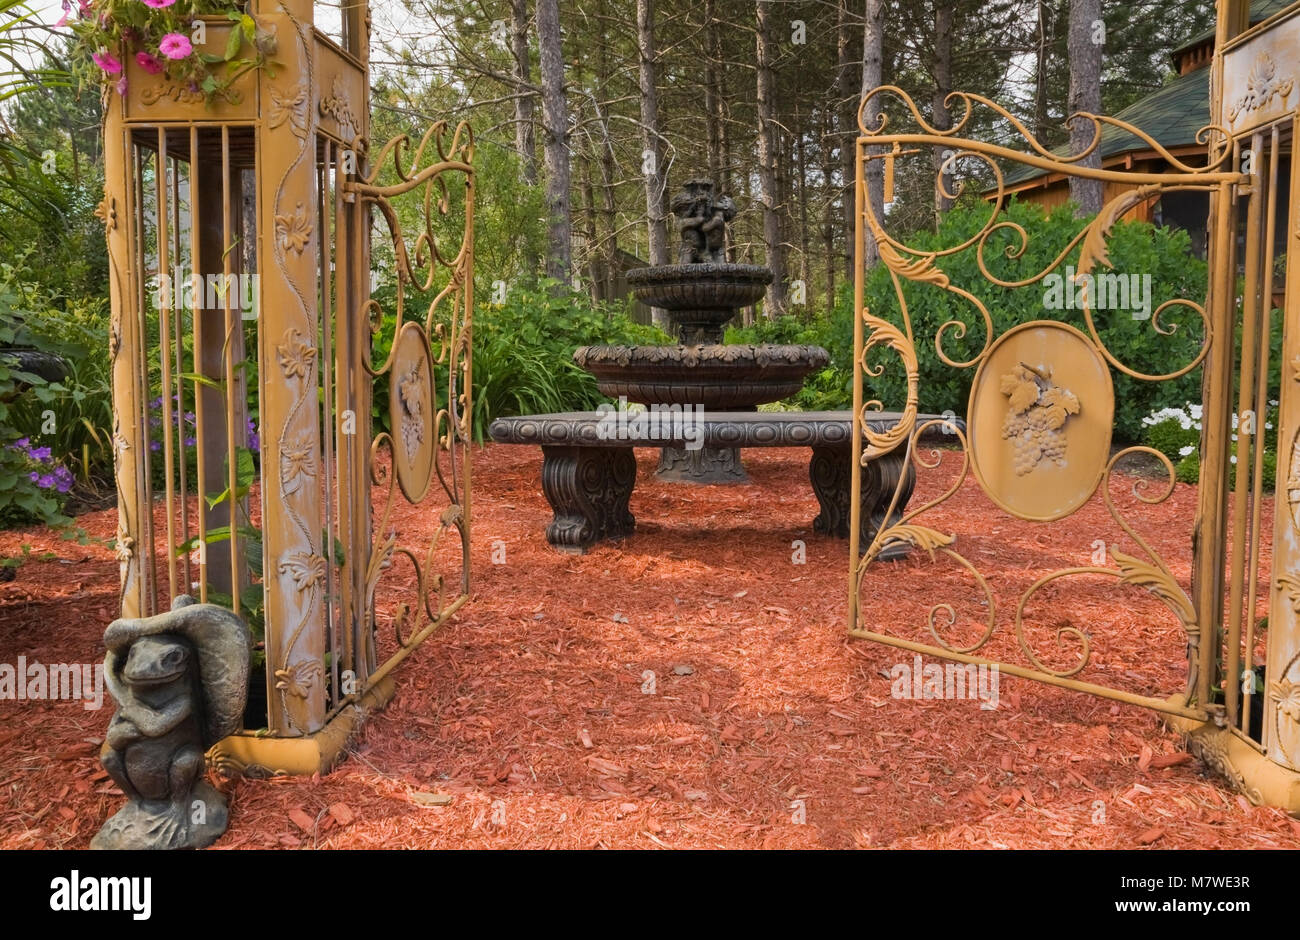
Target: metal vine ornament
1041,407
429,440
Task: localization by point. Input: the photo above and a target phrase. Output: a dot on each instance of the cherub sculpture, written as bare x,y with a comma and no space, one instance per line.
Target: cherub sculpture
702,221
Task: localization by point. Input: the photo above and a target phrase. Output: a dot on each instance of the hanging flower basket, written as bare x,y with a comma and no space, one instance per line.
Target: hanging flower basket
168,39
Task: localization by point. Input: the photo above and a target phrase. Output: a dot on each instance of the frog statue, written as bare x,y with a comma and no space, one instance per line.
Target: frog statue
180,680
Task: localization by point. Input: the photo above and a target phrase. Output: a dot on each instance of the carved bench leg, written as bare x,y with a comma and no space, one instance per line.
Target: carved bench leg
830,471
589,489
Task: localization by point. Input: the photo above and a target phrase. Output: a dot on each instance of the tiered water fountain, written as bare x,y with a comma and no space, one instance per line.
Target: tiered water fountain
701,294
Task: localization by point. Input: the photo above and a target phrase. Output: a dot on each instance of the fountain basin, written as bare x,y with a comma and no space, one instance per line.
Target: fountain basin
721,378
700,298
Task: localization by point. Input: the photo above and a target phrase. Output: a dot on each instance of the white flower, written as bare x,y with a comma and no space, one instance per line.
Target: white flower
1233,458
1195,411
1187,451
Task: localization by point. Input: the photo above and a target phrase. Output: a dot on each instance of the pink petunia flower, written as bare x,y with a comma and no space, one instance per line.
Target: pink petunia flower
158,4
149,63
175,46
106,61
121,85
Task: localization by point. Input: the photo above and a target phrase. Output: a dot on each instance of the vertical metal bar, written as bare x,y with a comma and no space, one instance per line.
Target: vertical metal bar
1283,638
178,331
140,368
165,338
468,325
195,225
1212,494
324,211
1261,411
228,358
855,501
1245,438
352,456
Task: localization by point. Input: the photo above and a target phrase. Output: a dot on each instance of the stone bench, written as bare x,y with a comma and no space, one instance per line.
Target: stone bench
588,473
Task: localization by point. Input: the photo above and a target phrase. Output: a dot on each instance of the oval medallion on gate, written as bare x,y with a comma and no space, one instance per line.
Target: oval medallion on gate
411,411
1040,417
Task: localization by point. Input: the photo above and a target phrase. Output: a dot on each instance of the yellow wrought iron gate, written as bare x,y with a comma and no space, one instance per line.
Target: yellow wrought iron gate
1036,448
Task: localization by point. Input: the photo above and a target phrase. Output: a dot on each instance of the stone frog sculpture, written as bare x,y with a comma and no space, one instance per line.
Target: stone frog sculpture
180,680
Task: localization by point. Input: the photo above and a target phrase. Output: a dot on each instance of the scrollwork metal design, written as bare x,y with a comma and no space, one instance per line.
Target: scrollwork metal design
422,265
1144,569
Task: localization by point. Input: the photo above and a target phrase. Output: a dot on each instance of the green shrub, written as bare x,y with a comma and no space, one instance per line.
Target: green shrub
74,416
1134,248
1176,433
523,352
33,482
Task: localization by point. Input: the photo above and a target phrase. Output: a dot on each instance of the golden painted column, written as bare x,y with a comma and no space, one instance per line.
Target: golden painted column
288,377
128,352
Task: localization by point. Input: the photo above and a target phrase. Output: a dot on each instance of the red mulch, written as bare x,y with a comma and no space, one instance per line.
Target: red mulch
526,718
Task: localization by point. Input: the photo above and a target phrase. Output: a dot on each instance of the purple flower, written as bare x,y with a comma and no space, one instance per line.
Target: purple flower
33,476
155,446
46,482
22,443
40,453
189,442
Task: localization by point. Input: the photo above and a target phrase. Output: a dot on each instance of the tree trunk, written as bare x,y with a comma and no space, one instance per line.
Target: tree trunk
555,125
831,220
1041,129
768,151
712,94
801,179
1085,95
591,254
850,100
652,156
525,107
942,67
608,168
873,32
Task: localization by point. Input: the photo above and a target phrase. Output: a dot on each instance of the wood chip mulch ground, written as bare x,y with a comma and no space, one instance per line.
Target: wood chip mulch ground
695,687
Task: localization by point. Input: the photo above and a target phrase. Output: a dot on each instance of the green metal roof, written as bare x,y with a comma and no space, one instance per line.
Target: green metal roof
1171,115
1260,10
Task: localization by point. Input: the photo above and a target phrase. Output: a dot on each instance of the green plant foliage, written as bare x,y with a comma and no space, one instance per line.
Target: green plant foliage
1176,433
523,352
29,488
73,417
161,37
1135,248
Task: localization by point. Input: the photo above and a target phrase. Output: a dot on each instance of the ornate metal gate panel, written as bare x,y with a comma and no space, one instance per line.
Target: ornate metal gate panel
1036,440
